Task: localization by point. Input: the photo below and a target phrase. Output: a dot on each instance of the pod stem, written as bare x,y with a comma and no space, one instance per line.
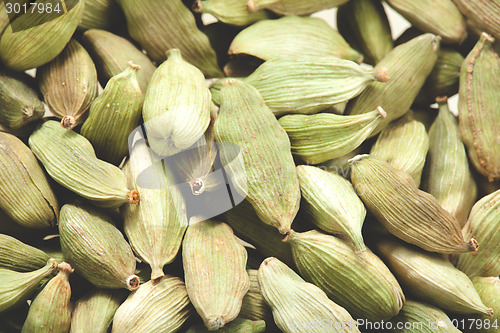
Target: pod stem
381,74
65,267
357,158
251,6
381,112
473,245
133,197
68,122
214,323
197,186
133,65
197,6
287,236
133,282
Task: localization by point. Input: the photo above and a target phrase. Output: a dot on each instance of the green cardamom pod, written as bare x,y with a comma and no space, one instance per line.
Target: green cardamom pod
51,309
364,25
230,11
403,144
488,289
101,14
159,26
69,84
431,278
321,137
271,185
447,175
214,269
408,66
484,14
17,256
114,115
19,103
40,36
175,118
70,160
478,111
254,306
239,325
96,248
292,37
35,206
156,307
418,218
17,287
4,18
296,303
293,7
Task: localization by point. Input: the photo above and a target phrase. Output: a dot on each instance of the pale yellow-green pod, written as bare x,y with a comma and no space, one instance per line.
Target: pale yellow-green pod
488,289
293,7
233,12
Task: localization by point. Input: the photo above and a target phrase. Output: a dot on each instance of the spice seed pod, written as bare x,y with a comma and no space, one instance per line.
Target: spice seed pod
101,14
418,218
17,256
293,7
484,14
254,306
239,325
488,289
95,247
51,309
230,11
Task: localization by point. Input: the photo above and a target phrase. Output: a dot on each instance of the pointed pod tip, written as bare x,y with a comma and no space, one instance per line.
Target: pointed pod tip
214,323
442,99
53,263
488,37
357,158
381,112
287,235
133,197
133,282
133,65
173,53
381,75
251,6
68,122
473,245
490,312
436,41
65,267
197,186
197,6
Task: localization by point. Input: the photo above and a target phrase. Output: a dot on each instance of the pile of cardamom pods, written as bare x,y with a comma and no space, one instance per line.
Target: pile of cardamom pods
262,173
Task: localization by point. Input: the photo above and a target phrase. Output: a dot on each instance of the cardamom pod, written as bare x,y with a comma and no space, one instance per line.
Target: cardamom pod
69,84
296,303
447,175
488,289
484,14
114,115
332,265
35,206
39,37
19,103
431,278
111,54
70,160
332,205
408,66
96,248
96,310
254,306
230,11
478,111
17,256
270,181
175,118
293,7
159,26
292,37
418,218
211,248
483,224
239,325
156,307
321,137
17,287
403,144
4,18
364,25
51,309
101,14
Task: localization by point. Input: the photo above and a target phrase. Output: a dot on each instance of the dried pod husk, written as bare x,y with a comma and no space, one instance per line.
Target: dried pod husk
418,218
249,227
332,265
96,310
271,185
488,289
159,26
447,176
291,37
321,137
309,85
483,14
19,103
101,14
478,111
4,18
438,17
364,25
239,325
35,206
217,294
177,104
408,66
69,84
114,115
254,306
293,7
111,54
95,247
418,317
297,303
21,257
404,145
34,44
70,160
51,309
17,287
156,226
230,11
431,278
483,224
156,307
332,204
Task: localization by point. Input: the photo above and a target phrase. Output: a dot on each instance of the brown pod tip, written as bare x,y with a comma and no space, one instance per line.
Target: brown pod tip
473,245
381,75
214,323
442,99
489,312
488,36
197,7
65,267
287,236
250,6
157,274
197,186
53,262
133,282
133,65
68,122
133,197
381,112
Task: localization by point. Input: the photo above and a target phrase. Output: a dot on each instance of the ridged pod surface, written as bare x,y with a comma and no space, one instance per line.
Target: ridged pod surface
483,14
488,289
332,265
297,303
230,11
418,218
254,306
26,195
293,7
21,257
100,14
214,269
239,325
